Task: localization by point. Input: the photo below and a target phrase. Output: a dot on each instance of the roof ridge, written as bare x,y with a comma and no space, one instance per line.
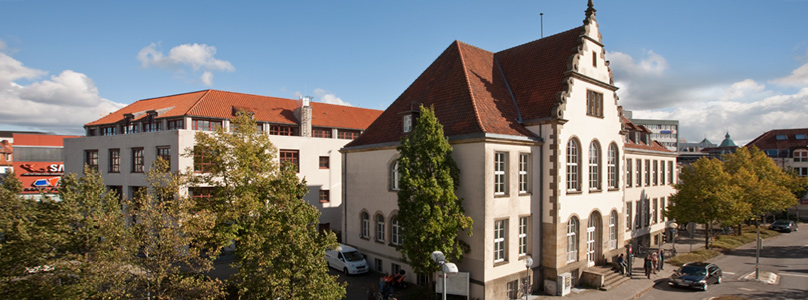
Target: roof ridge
197,102
468,84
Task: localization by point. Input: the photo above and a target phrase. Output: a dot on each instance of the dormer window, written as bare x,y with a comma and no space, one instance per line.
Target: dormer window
781,137
406,123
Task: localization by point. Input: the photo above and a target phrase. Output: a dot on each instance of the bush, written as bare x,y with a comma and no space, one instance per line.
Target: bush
698,255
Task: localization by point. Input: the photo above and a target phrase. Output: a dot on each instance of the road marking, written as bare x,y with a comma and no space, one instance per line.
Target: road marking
730,273
747,289
795,275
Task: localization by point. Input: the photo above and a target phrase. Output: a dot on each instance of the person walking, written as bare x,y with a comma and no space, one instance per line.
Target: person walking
654,262
648,265
661,260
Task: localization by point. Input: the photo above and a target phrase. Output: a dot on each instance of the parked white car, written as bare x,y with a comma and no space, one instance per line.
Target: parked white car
347,259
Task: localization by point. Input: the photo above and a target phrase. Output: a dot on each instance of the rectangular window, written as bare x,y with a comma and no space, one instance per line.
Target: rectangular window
646,213
656,172
325,196
205,125
175,124
654,215
395,232
629,213
800,156
108,130
638,215
594,104
164,152
380,228
662,172
406,123
378,265
292,157
629,171
130,128
91,159
137,160
324,162
647,172
259,127
524,159
639,172
524,222
287,130
347,134
203,159
152,126
500,173
513,289
499,240
321,132
114,160
200,193
670,172
662,209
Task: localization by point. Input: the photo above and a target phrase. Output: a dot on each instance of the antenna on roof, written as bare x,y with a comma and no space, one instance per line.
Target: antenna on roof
541,16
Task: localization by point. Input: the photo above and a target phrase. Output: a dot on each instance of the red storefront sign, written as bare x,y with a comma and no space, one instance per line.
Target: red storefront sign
39,176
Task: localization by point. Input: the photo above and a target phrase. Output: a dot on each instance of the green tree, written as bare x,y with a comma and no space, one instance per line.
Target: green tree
173,237
706,194
429,211
767,188
259,206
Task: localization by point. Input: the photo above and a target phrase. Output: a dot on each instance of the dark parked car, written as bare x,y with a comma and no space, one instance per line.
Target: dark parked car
784,226
696,275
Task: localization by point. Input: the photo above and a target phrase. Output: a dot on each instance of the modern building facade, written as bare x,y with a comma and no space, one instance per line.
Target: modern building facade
539,141
39,163
789,150
122,145
666,132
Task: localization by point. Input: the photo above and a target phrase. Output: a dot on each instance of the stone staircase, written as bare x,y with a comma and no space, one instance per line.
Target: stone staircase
604,277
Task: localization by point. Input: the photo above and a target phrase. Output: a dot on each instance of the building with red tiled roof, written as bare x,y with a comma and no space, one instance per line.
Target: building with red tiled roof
122,145
651,170
539,140
789,150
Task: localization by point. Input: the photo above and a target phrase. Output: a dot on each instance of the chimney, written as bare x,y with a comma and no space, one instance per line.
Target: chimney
305,116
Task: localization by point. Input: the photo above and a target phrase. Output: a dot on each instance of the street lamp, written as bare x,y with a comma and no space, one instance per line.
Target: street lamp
446,267
528,264
673,226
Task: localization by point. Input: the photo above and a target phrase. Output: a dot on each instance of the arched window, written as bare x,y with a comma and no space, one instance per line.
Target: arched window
573,163
613,230
395,231
380,228
572,240
394,176
594,166
612,166
365,225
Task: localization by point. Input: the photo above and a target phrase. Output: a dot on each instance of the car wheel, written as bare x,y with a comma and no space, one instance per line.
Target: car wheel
345,270
718,281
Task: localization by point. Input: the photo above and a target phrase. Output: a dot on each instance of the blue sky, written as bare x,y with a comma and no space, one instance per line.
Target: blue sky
715,65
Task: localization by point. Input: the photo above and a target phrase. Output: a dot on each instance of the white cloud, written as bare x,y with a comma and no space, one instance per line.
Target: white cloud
742,89
62,104
798,77
326,97
184,58
651,64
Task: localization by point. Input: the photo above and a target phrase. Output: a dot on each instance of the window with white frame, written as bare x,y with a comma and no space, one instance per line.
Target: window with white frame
500,173
513,289
670,172
572,240
662,172
647,172
613,230
594,104
573,163
394,176
629,213
654,215
656,172
646,214
611,166
662,209
638,217
365,225
629,171
499,240
524,160
524,222
594,166
800,155
395,232
406,123
639,172
380,228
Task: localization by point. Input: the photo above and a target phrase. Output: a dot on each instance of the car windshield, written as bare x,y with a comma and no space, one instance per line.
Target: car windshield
353,256
693,270
780,223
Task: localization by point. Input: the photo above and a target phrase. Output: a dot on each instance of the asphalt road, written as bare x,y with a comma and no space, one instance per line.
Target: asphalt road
785,255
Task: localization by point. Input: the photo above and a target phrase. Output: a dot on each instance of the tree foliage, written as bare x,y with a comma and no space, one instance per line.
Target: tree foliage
430,213
173,237
706,195
766,187
260,206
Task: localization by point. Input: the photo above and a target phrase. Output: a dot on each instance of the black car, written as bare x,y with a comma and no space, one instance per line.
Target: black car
696,275
783,226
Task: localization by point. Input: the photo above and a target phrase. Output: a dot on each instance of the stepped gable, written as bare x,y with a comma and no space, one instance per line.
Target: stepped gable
536,71
220,105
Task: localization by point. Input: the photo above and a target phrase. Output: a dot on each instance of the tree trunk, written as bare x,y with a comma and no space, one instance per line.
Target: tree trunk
707,235
739,230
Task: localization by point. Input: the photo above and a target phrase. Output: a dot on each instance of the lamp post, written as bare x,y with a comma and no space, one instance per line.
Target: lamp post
528,264
446,268
673,226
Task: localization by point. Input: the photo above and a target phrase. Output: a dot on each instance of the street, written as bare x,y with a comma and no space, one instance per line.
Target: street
785,255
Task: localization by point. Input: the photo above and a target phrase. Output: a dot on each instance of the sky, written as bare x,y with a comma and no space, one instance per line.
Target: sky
717,66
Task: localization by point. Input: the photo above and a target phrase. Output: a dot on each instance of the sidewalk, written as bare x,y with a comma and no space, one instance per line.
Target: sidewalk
638,284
